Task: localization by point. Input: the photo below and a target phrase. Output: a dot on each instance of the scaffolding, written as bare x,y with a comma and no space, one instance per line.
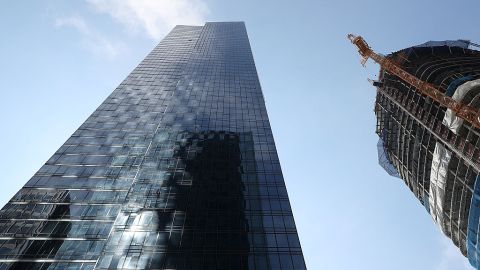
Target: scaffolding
432,144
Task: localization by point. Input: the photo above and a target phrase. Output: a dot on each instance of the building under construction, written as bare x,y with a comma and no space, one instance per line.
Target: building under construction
427,119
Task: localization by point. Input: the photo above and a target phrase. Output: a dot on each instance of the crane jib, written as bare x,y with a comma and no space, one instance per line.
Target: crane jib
466,112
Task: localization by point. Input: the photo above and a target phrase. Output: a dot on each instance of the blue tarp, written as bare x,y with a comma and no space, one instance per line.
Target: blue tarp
456,83
384,160
473,249
460,43
451,43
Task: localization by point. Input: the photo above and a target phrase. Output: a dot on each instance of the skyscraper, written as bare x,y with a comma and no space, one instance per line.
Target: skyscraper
176,169
436,153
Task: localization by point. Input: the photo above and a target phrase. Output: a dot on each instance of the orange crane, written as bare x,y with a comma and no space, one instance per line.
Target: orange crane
468,113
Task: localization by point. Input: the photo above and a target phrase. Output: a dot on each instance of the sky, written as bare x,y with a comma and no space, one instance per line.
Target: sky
60,60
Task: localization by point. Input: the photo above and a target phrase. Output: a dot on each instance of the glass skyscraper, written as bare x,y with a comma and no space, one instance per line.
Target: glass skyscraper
176,169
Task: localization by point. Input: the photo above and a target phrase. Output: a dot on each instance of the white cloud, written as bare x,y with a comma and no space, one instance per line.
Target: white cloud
452,258
155,17
91,38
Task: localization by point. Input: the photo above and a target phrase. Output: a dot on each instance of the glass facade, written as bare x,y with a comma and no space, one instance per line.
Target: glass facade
176,169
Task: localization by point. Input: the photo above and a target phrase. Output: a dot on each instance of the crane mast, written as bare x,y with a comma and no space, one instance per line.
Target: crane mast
468,113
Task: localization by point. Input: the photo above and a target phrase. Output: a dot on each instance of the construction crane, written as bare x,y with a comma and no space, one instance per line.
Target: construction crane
468,113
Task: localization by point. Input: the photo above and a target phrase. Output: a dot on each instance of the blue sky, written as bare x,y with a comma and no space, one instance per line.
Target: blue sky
60,59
